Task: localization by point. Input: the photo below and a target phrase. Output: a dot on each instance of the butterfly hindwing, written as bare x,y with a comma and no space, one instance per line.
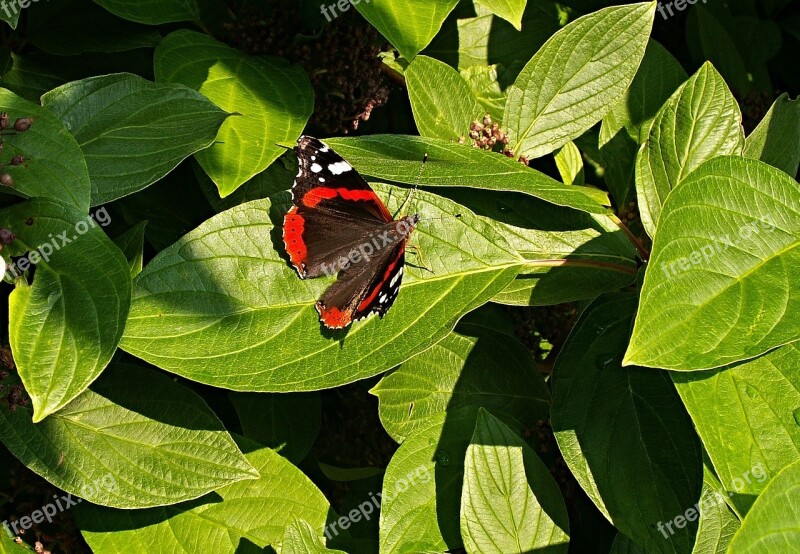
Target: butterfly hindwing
359,292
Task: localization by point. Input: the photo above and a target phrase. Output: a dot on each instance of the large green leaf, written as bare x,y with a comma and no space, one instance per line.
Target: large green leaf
65,326
623,431
701,120
441,100
222,306
510,10
397,158
272,99
773,524
153,12
421,496
776,140
135,439
569,255
745,415
132,131
475,367
509,502
719,286
301,538
54,166
409,25
574,79
241,517
628,123
287,423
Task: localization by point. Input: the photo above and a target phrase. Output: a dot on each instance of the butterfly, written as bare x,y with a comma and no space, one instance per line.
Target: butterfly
338,226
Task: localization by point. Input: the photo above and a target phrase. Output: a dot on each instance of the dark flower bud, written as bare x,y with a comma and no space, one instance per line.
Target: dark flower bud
23,124
17,160
6,180
4,121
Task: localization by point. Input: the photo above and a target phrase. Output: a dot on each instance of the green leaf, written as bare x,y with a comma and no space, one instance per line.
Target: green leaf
54,166
569,255
567,86
745,415
300,538
397,158
773,524
131,242
717,523
409,25
441,100
466,369
624,545
132,131
11,16
65,326
9,546
421,496
509,501
272,99
153,12
228,281
628,123
720,270
570,164
776,140
135,439
623,431
510,10
658,77
700,121
240,517
287,423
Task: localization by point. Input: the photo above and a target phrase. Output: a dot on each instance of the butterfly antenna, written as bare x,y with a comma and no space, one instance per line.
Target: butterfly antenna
413,190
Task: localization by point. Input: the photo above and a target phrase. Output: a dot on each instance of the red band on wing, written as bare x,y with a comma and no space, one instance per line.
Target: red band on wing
293,226
333,317
318,194
386,275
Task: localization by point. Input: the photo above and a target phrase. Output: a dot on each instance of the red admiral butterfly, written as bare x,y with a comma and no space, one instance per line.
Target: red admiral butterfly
339,226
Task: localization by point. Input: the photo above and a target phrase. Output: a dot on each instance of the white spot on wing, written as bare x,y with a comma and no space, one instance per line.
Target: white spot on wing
396,277
316,168
324,149
339,167
322,179
383,298
313,158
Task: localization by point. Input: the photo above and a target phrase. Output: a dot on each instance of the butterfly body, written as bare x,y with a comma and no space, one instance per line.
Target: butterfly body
338,226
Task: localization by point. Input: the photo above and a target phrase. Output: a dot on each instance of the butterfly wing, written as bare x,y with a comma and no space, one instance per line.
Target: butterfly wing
364,289
334,210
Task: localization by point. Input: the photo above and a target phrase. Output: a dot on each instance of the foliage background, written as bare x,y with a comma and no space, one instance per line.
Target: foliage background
170,347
